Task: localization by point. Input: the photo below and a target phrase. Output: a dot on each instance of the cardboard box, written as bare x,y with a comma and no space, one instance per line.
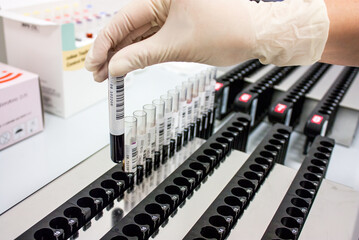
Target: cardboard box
21,114
49,49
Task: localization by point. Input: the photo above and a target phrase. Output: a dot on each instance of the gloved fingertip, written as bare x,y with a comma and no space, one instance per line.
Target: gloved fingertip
117,67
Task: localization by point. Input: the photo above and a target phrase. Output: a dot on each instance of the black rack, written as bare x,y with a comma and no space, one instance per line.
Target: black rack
230,84
321,120
145,219
66,220
288,108
256,98
290,216
226,209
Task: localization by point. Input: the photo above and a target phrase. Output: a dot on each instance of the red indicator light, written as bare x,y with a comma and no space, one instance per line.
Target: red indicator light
245,97
280,108
317,119
218,86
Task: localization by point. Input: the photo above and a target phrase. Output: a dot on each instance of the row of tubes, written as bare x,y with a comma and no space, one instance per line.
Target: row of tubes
155,133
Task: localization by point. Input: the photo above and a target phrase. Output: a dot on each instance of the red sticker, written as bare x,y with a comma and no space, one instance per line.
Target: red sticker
317,119
245,97
280,108
218,86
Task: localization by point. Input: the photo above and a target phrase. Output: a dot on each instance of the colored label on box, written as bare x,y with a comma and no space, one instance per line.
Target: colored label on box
75,59
280,108
245,97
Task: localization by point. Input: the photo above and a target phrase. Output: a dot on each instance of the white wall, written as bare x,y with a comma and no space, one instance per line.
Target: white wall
6,4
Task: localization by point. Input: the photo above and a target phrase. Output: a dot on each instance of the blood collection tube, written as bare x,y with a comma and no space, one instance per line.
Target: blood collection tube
195,100
176,134
202,99
150,109
116,99
141,117
168,123
183,113
212,99
160,125
190,123
131,145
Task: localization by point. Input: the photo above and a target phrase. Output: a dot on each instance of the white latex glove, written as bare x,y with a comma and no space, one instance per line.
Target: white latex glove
146,32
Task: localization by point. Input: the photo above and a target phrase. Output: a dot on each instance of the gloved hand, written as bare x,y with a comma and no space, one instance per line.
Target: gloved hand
220,33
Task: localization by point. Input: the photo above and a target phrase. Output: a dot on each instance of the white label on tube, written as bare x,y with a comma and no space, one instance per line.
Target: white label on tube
213,95
207,97
195,108
131,158
183,112
141,147
189,113
168,129
160,133
151,141
116,100
175,124
202,103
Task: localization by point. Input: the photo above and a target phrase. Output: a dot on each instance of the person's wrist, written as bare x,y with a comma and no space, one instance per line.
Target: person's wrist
290,32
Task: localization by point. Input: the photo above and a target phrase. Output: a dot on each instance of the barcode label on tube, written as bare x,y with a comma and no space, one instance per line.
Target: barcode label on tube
116,104
168,131
131,158
160,133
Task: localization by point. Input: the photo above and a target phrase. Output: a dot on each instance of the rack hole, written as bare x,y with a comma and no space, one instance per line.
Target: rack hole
85,202
267,154
236,130
284,233
180,181
307,185
44,234
298,202
246,183
209,232
189,174
326,144
233,201
227,135
279,136
323,150
262,161
256,168
218,221
283,131
303,193
251,176
321,156
59,223
225,211
119,176
109,184
290,222
204,159
98,193
239,192
311,177
153,208
73,212
210,152
318,163
143,219
163,199
275,142
314,169
271,148
295,212
197,166
132,230
172,189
